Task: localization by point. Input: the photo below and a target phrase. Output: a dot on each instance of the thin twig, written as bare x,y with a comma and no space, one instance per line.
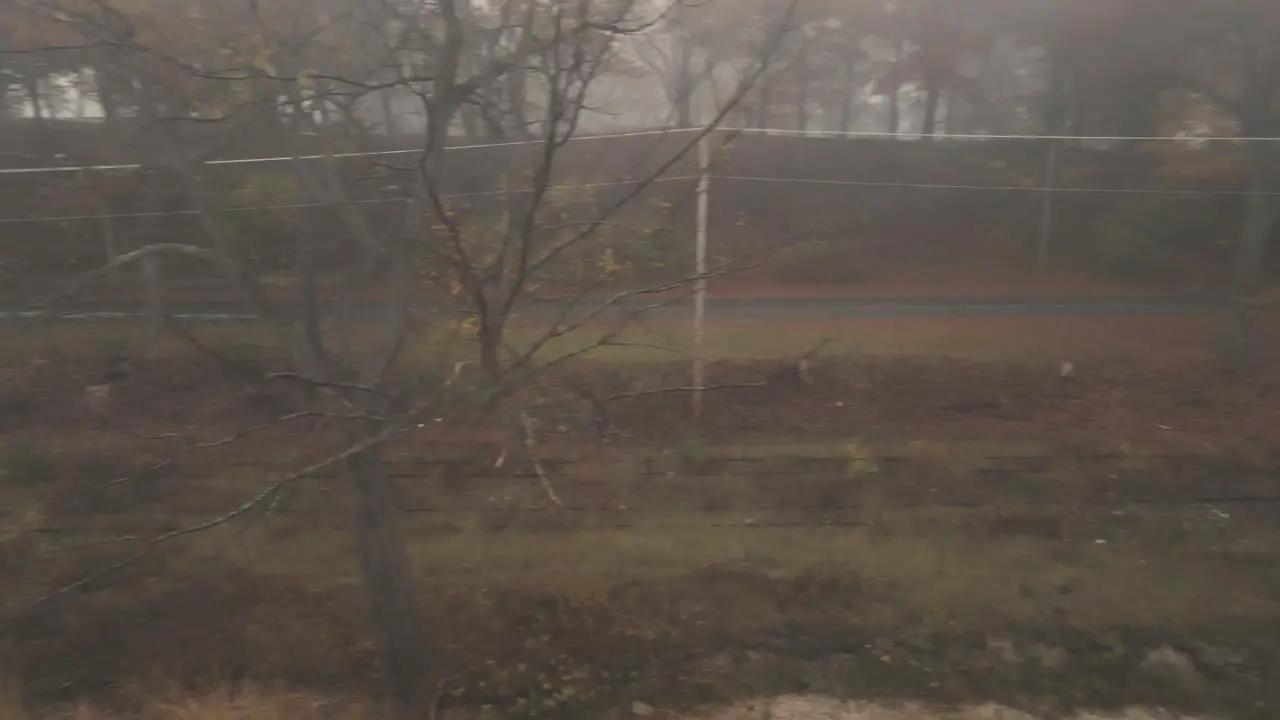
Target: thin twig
110,541
190,445
120,261
330,384
684,389
162,539
247,431
157,467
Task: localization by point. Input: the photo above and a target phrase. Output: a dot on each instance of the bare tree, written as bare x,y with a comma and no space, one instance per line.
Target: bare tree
683,51
301,71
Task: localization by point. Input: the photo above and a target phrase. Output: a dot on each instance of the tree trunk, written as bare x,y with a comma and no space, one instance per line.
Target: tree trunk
684,84
1257,120
955,114
1248,276
37,114
846,96
517,97
33,97
389,124
766,100
388,581
932,97
895,112
802,90
320,104
684,106
82,97
846,110
470,116
895,87
110,104
1055,101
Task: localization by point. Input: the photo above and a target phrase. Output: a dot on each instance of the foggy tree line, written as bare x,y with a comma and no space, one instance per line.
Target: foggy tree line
1110,68
1130,68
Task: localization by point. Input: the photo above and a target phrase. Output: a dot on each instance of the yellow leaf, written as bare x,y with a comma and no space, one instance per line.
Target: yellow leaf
608,263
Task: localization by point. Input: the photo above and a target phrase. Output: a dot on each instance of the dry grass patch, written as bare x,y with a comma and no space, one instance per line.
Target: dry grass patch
666,337
821,708
246,702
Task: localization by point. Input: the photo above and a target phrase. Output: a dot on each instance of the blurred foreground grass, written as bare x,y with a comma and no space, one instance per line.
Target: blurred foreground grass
277,601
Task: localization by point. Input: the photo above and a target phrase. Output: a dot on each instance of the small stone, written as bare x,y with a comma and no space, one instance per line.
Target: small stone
98,397
641,709
1171,663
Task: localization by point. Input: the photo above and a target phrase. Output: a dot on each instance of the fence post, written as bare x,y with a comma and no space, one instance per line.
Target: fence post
700,268
1046,206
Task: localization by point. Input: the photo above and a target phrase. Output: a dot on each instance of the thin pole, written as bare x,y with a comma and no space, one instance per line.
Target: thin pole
1046,207
700,268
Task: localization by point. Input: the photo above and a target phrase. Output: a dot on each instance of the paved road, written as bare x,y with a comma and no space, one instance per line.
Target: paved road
837,308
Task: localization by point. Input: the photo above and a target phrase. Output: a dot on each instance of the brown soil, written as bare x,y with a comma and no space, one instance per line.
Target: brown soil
932,623
1148,402
1103,403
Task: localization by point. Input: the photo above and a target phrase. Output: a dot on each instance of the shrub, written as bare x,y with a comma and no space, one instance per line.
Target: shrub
1160,237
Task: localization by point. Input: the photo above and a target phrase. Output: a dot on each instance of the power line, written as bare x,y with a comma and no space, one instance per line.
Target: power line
683,178
347,155
998,188
917,136
814,134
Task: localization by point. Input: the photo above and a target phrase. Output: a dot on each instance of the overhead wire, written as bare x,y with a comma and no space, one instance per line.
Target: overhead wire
1000,188
683,178
816,134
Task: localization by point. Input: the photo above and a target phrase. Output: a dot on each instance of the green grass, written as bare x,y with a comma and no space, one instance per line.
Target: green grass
667,339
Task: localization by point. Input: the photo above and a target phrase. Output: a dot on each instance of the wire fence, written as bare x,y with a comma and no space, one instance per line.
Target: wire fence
822,209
